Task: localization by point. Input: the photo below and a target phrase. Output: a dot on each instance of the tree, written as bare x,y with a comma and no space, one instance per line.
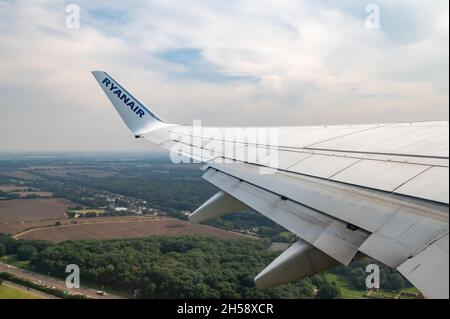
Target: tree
328,291
358,278
171,267
317,281
2,250
26,252
71,213
395,282
284,237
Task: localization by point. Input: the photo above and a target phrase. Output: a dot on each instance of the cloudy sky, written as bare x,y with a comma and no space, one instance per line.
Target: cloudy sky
224,62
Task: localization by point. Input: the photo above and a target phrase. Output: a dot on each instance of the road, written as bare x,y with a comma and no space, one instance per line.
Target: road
53,282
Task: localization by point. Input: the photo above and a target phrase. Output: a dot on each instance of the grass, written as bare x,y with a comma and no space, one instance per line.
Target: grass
347,292
12,260
13,293
382,294
84,211
411,289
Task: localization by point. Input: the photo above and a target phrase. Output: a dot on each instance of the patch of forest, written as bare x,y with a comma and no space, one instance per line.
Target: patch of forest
184,267
164,267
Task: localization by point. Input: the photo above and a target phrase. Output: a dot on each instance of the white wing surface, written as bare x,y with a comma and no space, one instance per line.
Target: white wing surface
380,190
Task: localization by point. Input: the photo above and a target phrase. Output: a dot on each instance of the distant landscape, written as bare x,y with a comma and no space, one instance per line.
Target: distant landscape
123,219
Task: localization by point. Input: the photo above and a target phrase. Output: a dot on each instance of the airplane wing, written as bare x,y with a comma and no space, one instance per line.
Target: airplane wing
379,190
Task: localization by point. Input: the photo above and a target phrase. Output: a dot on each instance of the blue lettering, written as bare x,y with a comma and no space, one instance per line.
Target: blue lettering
118,93
125,98
140,113
106,82
131,105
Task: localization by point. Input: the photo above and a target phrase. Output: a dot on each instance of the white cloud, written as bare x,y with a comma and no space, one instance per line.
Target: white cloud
315,61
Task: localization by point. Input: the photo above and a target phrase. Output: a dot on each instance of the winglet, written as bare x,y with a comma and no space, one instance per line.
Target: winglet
138,117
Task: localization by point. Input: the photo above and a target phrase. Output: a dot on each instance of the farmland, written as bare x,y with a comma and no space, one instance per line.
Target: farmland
13,188
18,228
125,228
14,228
20,174
23,210
37,194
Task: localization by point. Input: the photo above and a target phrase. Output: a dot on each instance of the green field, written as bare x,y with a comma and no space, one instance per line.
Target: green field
82,212
85,211
348,292
13,293
12,260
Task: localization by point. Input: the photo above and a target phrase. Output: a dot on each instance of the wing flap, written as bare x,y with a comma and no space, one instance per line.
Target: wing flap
329,235
429,269
402,237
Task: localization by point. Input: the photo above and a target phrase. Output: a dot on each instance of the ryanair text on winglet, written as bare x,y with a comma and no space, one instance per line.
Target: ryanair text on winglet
135,107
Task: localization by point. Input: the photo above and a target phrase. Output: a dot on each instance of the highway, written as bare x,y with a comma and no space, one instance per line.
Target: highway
53,282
